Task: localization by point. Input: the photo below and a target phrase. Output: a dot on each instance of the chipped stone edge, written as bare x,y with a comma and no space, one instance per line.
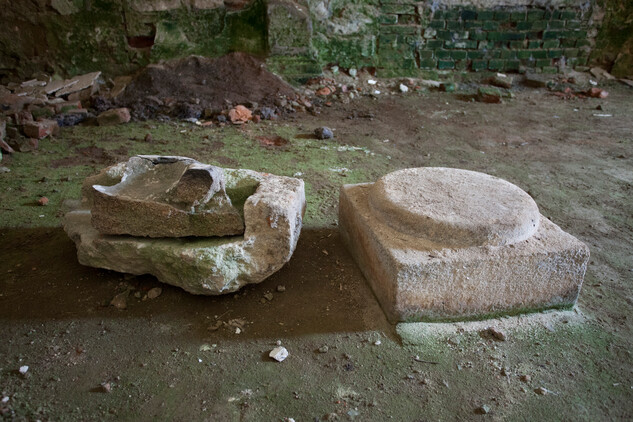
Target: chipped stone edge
273,216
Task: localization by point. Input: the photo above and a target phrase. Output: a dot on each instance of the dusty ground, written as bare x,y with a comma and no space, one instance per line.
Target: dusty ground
164,363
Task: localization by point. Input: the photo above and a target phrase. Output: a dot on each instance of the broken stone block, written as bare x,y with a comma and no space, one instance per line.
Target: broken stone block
120,83
439,243
489,95
273,209
40,129
82,82
166,197
114,116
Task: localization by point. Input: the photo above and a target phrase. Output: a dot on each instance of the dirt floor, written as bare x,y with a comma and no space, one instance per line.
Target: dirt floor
181,357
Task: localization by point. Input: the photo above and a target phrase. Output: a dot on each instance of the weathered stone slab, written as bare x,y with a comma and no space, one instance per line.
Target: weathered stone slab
166,197
273,211
425,264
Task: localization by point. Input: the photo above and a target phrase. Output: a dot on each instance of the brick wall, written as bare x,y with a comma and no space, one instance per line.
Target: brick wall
500,39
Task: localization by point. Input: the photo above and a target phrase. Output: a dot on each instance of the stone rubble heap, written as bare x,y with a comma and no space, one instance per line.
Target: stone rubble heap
37,108
203,228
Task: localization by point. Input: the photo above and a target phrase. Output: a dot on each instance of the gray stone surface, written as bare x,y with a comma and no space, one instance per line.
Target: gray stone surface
273,212
166,197
416,279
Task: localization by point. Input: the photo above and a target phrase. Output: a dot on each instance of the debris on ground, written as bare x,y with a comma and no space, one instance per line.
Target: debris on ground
596,93
23,370
120,300
154,292
494,333
105,387
197,86
42,201
483,409
240,115
501,80
279,353
600,73
489,95
537,80
114,116
323,132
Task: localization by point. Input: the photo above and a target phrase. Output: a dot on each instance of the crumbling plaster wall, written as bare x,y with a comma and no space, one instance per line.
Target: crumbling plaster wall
118,36
397,37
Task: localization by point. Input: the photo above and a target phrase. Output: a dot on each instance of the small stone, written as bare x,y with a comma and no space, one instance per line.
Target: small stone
541,391
352,72
325,91
267,113
43,201
483,409
371,82
495,333
148,138
120,301
323,349
525,378
489,95
324,132
268,296
114,117
597,93
154,293
24,369
403,88
240,114
281,288
279,353
501,81
5,169
448,86
105,387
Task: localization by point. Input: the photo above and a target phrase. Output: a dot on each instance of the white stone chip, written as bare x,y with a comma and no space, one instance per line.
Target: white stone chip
279,353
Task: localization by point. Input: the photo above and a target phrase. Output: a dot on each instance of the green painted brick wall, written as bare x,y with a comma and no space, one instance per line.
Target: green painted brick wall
499,39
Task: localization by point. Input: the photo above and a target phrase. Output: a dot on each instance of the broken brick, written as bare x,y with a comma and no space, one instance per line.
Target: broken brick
40,129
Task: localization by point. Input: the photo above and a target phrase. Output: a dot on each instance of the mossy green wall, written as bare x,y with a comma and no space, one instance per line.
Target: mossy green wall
614,44
300,36
119,36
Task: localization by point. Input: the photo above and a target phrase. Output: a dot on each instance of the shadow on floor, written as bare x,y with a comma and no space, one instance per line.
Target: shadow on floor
324,291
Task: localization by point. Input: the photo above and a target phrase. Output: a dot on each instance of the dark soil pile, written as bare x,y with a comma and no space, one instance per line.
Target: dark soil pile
185,88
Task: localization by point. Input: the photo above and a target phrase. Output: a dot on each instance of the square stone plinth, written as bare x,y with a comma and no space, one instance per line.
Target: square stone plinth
416,280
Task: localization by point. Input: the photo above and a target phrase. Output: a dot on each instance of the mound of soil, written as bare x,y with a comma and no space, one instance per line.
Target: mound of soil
185,87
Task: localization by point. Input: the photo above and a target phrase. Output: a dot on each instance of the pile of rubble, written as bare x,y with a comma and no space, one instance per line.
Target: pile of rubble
37,108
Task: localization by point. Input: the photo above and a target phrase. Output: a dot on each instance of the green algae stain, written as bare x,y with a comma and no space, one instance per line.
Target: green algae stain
63,162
